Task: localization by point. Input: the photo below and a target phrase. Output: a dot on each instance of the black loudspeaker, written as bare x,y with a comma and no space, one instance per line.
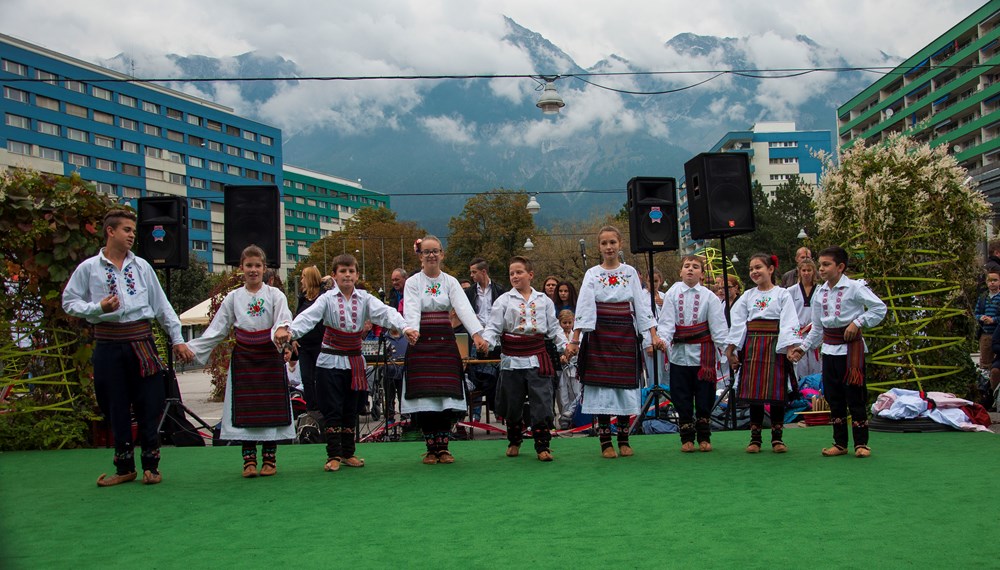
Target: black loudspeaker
719,199
652,214
253,217
163,232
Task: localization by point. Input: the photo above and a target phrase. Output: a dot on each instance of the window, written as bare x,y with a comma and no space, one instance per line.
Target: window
232,150
266,140
174,114
105,188
129,146
76,110
104,118
175,178
76,86
196,183
218,247
175,136
103,164
100,93
45,77
216,166
130,169
128,124
77,135
199,224
212,145
77,159
19,148
288,184
248,135
249,154
131,192
151,130
215,185
298,186
234,170
267,159
231,130
195,141
310,202
300,199
153,174
197,204
153,152
252,174
194,120
45,103
311,216
783,161
213,125
17,121
126,100
150,107
195,161
218,228
101,140
198,245
15,94
49,153
15,68
174,156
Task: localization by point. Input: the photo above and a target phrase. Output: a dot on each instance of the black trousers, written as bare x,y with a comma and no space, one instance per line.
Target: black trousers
844,397
692,397
307,364
120,389
339,406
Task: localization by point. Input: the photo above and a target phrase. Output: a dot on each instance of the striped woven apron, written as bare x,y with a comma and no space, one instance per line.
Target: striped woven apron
609,355
259,384
763,375
434,365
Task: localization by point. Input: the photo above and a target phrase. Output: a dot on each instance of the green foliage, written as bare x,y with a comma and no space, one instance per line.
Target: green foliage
493,225
48,225
190,286
910,223
218,361
779,219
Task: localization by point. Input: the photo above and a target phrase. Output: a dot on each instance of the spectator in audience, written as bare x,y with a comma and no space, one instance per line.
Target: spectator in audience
987,312
566,294
791,276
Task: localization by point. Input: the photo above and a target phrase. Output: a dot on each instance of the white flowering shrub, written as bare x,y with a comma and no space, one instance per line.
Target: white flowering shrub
910,224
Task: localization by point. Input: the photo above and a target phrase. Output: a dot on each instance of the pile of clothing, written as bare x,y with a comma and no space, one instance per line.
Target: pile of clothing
943,408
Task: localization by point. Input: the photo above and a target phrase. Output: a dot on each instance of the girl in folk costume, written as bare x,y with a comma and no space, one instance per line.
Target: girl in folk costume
611,311
693,323
802,294
432,389
763,325
340,378
257,406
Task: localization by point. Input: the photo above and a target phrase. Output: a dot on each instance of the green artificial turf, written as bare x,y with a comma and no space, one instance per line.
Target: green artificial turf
921,500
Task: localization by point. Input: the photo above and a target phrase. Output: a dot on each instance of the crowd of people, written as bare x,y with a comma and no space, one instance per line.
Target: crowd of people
542,355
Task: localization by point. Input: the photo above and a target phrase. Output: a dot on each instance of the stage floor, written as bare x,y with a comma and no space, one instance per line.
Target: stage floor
921,500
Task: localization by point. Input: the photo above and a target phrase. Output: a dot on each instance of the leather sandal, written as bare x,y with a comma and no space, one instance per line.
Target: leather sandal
332,464
249,470
513,450
445,456
687,447
545,455
862,451
353,461
834,451
778,447
625,450
430,458
150,478
705,446
608,452
116,479
267,469
753,448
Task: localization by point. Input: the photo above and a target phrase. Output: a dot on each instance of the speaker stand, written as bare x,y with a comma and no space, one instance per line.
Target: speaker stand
729,394
656,392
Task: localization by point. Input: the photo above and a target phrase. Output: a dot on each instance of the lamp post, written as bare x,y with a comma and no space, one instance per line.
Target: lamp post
529,245
550,102
802,234
533,206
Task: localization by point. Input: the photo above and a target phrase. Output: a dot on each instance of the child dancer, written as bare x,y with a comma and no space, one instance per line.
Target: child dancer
569,381
802,294
257,406
844,308
432,388
611,311
693,323
763,325
340,378
520,320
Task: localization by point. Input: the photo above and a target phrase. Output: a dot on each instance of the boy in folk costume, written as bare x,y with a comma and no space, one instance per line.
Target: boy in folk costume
340,366
842,308
693,323
257,407
520,320
569,381
118,293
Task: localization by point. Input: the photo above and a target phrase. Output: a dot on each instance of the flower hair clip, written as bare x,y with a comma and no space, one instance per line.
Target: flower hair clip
416,246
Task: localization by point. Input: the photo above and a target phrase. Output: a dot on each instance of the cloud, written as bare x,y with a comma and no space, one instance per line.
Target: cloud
449,129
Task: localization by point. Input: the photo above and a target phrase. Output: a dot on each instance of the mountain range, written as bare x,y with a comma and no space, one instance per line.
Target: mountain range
499,142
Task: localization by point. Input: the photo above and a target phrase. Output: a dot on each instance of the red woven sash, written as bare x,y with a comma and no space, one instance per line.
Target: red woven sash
348,344
139,334
529,345
434,365
701,335
855,354
260,387
609,356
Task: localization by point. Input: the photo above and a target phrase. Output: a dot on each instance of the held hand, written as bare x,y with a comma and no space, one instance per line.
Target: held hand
988,320
649,351
794,354
564,358
662,345
734,360
182,353
110,304
412,336
282,336
851,332
481,345
394,333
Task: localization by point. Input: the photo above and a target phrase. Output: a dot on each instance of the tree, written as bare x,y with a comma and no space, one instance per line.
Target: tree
911,224
379,241
779,219
190,286
493,225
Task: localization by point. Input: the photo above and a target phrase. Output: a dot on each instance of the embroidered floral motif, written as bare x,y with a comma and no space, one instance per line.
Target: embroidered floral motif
255,307
111,280
433,289
762,303
613,279
129,281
